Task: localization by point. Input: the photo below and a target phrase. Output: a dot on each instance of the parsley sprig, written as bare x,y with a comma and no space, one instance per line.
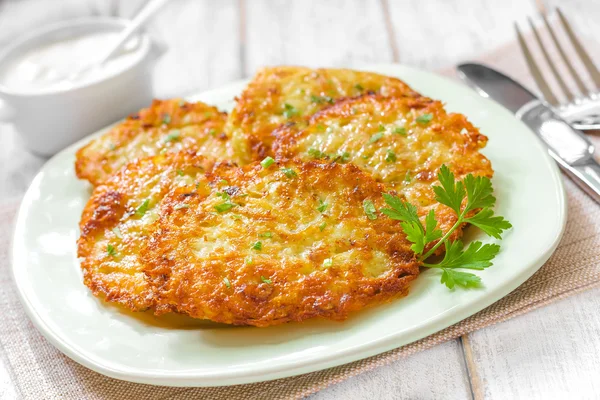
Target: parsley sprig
472,194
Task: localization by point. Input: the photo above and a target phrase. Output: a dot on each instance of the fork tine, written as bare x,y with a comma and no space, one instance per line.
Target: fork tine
535,71
564,57
585,58
557,76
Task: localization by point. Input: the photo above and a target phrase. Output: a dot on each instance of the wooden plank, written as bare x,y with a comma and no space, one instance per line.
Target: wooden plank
438,36
315,33
201,43
436,373
547,353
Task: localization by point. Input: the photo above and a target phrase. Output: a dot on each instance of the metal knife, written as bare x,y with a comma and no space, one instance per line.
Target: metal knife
571,149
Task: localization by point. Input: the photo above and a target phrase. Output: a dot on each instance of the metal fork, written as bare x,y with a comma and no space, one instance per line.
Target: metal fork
581,109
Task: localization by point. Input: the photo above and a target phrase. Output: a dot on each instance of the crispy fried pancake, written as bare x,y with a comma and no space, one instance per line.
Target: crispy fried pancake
119,218
170,124
294,243
286,95
401,141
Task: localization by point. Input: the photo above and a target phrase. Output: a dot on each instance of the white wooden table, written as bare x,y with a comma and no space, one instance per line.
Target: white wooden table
553,352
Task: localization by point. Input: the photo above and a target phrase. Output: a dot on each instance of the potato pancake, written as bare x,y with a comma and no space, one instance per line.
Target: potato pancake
119,219
289,95
170,124
401,141
277,243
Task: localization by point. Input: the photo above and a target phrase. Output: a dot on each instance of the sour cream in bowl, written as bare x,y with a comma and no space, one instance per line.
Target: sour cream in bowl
54,90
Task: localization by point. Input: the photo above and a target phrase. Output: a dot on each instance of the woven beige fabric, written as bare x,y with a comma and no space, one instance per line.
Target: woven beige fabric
39,371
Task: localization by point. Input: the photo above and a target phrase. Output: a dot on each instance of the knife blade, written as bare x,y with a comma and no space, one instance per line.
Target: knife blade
570,148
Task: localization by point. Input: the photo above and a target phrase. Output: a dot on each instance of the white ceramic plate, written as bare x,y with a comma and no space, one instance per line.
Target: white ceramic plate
179,351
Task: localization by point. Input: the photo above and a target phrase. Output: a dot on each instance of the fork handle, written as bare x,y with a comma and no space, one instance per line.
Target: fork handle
586,175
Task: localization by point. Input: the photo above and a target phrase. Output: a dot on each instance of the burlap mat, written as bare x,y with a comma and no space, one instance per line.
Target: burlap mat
39,371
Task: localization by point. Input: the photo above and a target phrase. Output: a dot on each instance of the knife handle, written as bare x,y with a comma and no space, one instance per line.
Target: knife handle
586,176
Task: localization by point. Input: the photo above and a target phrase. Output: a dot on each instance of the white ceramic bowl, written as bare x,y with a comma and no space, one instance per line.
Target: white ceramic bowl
50,120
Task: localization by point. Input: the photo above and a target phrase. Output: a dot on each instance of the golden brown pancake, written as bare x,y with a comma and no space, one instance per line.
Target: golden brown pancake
290,95
167,125
400,141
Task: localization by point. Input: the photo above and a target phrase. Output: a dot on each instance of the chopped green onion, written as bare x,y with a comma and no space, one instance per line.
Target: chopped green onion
117,232
290,173
289,111
345,157
265,280
320,128
212,132
321,99
425,118
322,226
257,246
236,216
265,235
316,153
111,146
358,86
328,262
142,208
173,136
376,137
407,177
248,260
224,207
166,119
322,206
110,250
400,131
179,172
369,209
267,162
381,128
390,156
227,283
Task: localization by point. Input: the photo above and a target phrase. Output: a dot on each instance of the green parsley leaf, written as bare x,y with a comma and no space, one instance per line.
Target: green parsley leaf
451,193
431,233
257,246
466,280
266,235
316,153
180,206
224,207
370,209
322,206
376,137
328,262
289,111
142,208
359,87
290,173
487,222
390,156
400,131
265,280
425,118
227,283
267,162
166,119
173,136
479,192
322,226
110,250
410,222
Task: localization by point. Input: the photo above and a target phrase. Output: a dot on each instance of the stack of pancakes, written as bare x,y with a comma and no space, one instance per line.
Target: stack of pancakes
269,214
